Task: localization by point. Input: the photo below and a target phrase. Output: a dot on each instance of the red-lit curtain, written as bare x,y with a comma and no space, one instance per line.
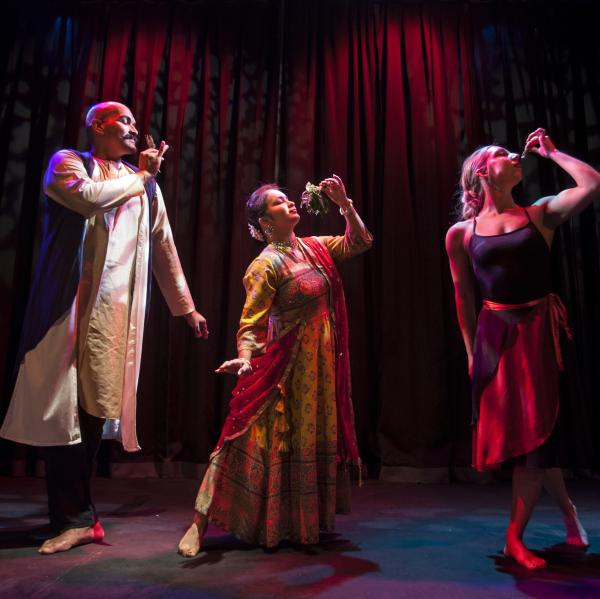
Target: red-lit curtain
391,96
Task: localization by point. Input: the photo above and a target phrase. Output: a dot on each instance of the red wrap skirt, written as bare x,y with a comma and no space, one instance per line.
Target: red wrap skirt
516,364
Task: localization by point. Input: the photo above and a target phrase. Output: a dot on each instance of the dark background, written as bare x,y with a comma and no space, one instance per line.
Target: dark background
390,95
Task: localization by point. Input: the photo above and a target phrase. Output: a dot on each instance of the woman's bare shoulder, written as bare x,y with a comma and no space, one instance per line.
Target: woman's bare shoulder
458,235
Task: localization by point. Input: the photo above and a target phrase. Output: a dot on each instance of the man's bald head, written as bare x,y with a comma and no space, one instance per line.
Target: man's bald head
111,129
102,111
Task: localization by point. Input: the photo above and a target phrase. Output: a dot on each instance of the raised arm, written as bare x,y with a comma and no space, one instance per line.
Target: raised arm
357,238
464,286
66,181
571,201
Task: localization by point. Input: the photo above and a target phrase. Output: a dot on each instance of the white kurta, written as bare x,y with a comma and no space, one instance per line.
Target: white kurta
94,351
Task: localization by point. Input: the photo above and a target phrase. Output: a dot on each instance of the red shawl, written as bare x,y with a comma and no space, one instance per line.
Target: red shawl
252,392
347,445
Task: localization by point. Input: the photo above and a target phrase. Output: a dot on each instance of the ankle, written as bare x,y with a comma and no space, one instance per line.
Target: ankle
201,522
514,541
513,535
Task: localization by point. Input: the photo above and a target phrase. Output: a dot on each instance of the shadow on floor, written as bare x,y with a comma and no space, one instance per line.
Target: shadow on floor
571,572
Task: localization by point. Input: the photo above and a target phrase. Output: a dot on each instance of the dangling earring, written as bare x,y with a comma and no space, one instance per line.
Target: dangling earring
267,230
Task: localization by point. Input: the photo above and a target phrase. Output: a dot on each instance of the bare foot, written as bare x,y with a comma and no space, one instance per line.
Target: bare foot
517,551
191,542
71,538
576,534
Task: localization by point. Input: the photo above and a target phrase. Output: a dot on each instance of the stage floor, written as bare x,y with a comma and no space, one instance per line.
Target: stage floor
401,541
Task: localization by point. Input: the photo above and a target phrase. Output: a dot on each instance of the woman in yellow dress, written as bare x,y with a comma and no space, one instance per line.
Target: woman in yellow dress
274,473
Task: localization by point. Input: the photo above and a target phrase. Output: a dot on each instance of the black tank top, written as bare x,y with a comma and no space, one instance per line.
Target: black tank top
513,267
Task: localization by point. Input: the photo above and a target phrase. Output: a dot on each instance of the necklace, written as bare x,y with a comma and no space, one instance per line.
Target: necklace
285,245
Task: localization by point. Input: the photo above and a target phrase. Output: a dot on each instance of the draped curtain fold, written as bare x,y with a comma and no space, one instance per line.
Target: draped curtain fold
391,96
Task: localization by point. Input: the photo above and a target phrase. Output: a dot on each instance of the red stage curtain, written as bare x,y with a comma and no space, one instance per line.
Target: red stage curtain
389,95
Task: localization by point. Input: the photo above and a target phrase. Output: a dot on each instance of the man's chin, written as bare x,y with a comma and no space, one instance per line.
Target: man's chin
130,147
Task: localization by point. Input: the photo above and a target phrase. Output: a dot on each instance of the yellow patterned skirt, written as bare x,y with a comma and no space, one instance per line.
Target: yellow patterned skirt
278,480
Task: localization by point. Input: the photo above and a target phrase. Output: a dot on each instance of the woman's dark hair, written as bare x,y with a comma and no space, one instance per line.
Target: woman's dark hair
256,207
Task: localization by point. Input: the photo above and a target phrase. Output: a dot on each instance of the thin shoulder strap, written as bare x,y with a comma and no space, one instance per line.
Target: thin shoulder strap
474,224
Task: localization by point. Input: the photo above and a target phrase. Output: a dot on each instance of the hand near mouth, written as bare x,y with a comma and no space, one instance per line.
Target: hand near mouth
538,142
334,189
151,159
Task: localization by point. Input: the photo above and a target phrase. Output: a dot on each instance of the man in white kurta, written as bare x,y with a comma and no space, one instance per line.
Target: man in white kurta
83,367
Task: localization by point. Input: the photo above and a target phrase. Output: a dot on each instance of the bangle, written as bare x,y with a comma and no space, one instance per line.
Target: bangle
344,211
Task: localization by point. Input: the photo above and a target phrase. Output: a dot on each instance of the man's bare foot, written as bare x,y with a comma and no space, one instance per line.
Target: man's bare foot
71,538
517,551
191,542
576,534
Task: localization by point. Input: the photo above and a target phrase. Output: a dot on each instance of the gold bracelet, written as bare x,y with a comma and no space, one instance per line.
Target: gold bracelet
344,211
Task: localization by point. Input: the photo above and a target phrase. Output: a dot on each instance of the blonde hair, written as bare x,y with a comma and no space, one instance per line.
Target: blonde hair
471,192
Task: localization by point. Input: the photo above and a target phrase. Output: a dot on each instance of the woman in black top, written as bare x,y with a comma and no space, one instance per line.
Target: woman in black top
502,252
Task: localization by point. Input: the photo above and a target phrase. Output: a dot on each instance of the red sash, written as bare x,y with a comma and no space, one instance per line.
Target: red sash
558,318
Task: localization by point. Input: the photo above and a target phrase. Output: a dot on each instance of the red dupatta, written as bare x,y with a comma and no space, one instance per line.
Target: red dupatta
252,392
347,445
